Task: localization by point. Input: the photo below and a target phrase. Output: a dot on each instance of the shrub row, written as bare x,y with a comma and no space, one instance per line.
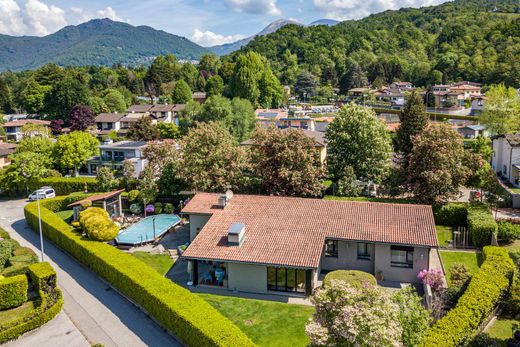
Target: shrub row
453,214
48,305
13,291
481,224
14,259
189,317
5,252
486,288
65,185
508,232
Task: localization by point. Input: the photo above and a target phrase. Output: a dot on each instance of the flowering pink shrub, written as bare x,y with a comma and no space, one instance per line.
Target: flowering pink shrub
432,277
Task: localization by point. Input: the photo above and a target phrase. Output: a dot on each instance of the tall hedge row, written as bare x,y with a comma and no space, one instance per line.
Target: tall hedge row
65,185
453,214
486,289
482,226
13,291
189,317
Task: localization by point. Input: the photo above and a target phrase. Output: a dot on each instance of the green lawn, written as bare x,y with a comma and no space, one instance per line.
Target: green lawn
267,323
502,329
160,262
472,260
17,312
444,234
65,215
513,246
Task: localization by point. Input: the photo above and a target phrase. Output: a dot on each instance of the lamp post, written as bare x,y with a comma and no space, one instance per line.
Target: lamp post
40,225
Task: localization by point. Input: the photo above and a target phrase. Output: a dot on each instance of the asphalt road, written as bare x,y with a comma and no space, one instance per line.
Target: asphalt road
93,312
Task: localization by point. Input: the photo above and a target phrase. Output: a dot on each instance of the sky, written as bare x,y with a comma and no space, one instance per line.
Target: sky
206,22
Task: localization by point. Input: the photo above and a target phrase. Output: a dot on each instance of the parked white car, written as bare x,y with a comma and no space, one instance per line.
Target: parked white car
42,193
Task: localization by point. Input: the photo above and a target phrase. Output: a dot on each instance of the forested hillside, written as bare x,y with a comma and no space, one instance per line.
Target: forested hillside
97,42
476,40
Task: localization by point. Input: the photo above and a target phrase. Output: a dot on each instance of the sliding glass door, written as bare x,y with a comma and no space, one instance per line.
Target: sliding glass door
283,279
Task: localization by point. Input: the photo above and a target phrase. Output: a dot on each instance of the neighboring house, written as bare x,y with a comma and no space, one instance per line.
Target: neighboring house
477,103
320,142
141,108
305,123
270,114
167,113
107,122
359,92
5,150
110,202
113,155
13,129
269,244
199,97
506,157
131,118
401,85
456,94
472,131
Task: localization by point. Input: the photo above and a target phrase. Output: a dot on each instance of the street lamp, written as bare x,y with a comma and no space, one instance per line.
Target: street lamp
40,225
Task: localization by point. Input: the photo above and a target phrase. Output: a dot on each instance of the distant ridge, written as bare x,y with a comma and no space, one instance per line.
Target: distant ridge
96,42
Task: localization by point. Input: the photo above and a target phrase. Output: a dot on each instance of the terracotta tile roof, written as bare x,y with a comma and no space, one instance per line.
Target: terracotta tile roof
22,122
98,197
292,231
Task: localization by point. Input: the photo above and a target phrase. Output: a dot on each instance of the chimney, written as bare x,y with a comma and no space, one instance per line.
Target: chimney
224,199
236,234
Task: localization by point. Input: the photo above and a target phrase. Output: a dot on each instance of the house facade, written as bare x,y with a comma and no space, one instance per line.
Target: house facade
506,157
267,244
114,154
13,129
107,122
456,94
5,150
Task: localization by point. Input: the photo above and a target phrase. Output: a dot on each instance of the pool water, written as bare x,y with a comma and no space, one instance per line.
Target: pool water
144,231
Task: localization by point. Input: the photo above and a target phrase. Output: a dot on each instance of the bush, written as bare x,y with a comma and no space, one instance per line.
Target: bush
508,232
13,291
43,277
5,252
482,226
24,251
459,275
136,208
158,206
193,321
65,185
97,225
513,305
26,259
133,195
15,270
353,277
4,234
453,214
168,208
484,291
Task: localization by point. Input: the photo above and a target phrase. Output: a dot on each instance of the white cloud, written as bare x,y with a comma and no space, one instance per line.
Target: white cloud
208,38
355,9
255,6
35,17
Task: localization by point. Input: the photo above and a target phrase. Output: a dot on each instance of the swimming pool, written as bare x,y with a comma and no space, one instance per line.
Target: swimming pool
147,229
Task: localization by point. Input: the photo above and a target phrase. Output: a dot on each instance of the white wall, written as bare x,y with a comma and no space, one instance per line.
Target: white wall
247,277
382,263
347,258
197,221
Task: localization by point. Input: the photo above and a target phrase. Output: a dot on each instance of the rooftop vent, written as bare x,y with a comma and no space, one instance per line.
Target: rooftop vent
108,141
236,234
224,199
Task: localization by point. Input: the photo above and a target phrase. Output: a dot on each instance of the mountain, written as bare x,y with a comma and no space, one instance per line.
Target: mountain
461,40
96,42
328,22
233,46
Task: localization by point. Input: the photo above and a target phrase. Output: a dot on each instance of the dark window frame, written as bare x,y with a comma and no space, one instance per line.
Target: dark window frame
363,256
294,289
331,253
408,264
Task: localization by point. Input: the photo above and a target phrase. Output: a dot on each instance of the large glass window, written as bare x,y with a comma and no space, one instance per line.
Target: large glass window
119,156
331,248
363,251
285,279
401,256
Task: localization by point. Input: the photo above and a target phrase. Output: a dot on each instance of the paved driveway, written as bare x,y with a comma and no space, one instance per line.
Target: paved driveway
92,312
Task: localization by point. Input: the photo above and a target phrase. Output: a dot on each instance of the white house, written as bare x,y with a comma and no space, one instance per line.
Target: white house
167,113
114,154
506,157
13,129
107,122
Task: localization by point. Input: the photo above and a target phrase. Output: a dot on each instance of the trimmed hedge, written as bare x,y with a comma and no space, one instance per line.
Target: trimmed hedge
193,321
65,185
486,288
6,249
97,224
453,214
482,226
13,291
48,304
353,277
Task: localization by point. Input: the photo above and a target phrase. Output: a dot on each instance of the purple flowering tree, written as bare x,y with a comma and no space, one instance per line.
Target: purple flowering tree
81,118
432,277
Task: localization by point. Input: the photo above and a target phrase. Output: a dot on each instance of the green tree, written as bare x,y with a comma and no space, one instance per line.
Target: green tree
306,84
209,63
41,145
436,171
271,91
5,97
24,167
412,316
168,130
189,74
214,86
115,101
357,138
413,119
248,71
74,149
290,70
147,186
286,162
106,180
354,78
181,93
63,96
97,104
501,113
189,115
33,97
143,130
215,108
210,160
242,120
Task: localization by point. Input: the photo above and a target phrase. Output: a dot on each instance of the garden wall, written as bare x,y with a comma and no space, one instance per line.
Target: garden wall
189,317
